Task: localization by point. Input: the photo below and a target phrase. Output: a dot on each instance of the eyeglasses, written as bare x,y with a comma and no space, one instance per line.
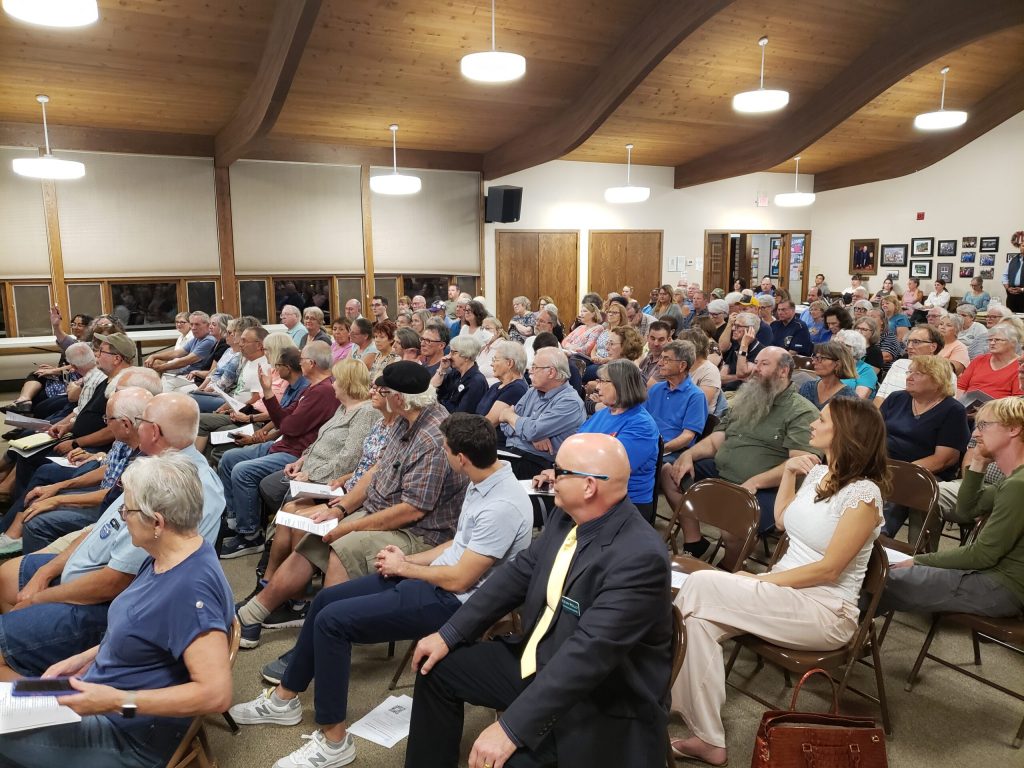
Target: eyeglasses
424,340
110,419
915,342
125,511
981,426
541,367
563,472
821,358
382,391
669,359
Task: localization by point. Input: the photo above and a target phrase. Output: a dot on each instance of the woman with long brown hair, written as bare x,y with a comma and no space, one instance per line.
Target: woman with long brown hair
808,601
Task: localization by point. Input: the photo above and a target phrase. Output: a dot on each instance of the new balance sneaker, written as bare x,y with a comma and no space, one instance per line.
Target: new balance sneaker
263,709
291,614
9,546
317,753
250,635
274,671
237,546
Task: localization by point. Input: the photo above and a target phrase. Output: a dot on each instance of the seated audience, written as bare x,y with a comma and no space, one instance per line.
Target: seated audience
164,657
573,690
407,598
939,297
808,601
582,340
836,319
899,322
974,334
703,373
291,318
767,424
994,373
458,380
61,601
407,344
247,387
814,318
241,469
384,342
864,380
341,345
614,316
191,357
485,360
521,326
411,500
832,363
433,342
923,340
953,350
547,414
546,340
740,356
658,335
976,296
361,334
473,314
984,577
788,332
509,364
313,320
871,330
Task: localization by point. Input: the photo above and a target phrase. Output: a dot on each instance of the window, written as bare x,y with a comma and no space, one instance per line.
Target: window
302,292
3,311
202,296
388,288
467,284
252,296
430,287
85,299
144,305
349,288
32,309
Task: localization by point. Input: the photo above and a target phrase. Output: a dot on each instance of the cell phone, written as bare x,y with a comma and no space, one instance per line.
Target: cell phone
38,686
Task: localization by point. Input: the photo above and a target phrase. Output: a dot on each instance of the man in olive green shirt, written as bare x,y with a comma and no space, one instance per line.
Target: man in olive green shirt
985,577
767,423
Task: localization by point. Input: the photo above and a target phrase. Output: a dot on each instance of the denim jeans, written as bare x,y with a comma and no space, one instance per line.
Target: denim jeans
241,470
46,528
207,403
95,742
47,474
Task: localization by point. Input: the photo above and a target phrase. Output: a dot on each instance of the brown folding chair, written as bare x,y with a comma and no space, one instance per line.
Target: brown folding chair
731,508
863,643
1009,633
803,363
194,748
678,652
916,489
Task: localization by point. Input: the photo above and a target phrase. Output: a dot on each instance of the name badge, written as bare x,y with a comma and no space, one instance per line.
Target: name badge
570,606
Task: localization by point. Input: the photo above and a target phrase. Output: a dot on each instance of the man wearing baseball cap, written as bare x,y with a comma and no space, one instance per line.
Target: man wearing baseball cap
411,501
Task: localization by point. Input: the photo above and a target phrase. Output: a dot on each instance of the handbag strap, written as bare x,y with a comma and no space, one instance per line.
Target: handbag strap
816,671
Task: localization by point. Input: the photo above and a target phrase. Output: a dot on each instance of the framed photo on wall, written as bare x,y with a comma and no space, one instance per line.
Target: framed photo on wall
864,257
989,244
967,257
921,269
894,255
969,242
947,248
922,246
894,276
944,271
986,274
966,271
987,260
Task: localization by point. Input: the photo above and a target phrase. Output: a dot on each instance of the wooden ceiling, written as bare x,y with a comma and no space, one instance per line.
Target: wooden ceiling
320,80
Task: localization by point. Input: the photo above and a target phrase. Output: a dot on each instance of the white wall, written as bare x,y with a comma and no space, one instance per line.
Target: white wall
968,193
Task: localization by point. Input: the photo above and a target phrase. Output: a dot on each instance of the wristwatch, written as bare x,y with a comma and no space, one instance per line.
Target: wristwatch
129,708
742,353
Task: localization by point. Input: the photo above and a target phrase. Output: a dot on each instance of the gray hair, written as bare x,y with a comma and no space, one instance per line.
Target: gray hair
420,401
999,309
467,346
747,320
558,359
1008,332
863,304
221,320
969,310
733,297
766,302
854,342
181,316
407,338
521,300
291,309
320,353
313,312
203,317
513,352
860,291
168,484
129,403
787,363
143,378
552,310
80,355
685,351
956,320
630,388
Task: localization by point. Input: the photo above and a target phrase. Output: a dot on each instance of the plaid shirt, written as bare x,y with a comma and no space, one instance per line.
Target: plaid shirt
117,460
413,469
89,382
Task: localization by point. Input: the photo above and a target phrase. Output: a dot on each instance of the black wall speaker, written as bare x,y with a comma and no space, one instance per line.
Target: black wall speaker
503,204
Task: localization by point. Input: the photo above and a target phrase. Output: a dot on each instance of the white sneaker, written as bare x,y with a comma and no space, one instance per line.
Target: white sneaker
317,753
9,546
262,710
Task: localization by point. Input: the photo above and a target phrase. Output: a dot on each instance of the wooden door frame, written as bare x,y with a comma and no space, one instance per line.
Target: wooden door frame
786,235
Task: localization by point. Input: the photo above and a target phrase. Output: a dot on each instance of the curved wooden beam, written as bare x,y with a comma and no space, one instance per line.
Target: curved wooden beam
999,106
82,139
289,31
639,52
932,29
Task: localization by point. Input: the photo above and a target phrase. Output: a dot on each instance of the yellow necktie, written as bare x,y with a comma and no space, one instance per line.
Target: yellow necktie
556,580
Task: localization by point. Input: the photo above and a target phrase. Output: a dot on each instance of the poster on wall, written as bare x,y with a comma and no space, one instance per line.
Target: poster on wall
944,271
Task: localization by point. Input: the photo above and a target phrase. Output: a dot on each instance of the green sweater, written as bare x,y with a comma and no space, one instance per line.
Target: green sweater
999,548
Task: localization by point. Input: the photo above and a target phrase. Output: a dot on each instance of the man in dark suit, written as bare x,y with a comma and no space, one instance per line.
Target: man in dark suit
585,683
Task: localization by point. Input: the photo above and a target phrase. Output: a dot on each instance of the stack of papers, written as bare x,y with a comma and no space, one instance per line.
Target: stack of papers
225,436
895,556
27,446
21,421
235,405
300,490
300,523
387,724
678,577
23,713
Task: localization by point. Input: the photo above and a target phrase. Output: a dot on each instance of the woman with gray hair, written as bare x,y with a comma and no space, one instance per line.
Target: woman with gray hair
955,351
865,382
164,659
995,373
509,364
458,380
523,320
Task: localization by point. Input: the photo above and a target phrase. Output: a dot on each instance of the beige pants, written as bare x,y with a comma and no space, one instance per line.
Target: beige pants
717,606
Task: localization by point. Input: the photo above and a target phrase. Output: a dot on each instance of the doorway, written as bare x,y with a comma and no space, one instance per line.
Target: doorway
531,263
784,256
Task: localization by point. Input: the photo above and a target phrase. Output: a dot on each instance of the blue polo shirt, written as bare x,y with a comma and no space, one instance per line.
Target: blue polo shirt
673,410
638,433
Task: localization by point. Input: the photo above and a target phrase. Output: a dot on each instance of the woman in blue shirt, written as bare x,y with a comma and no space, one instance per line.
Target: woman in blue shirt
164,659
622,392
977,296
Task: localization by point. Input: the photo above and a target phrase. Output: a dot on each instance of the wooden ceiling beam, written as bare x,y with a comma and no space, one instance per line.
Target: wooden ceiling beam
996,108
927,32
82,139
289,31
297,151
639,52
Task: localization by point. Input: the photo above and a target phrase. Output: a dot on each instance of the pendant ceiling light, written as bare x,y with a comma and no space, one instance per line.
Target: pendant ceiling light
47,166
53,13
395,183
628,193
944,118
761,100
493,66
796,198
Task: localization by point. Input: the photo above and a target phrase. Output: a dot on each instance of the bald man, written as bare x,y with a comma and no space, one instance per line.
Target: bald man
62,600
585,683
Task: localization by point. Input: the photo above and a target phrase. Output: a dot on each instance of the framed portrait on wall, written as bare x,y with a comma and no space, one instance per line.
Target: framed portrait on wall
989,245
894,255
864,257
944,271
947,248
922,270
966,271
922,246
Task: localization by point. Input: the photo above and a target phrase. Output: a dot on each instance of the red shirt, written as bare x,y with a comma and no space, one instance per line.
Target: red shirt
980,375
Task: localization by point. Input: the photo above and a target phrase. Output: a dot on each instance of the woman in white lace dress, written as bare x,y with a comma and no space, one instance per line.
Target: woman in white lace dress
809,599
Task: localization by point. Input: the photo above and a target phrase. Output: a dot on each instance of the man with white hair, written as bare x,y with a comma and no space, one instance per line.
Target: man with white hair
353,309
411,501
974,335
550,411
191,357
62,600
291,318
418,303
740,354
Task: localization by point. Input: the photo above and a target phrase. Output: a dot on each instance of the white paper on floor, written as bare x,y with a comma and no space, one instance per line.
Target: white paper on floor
387,724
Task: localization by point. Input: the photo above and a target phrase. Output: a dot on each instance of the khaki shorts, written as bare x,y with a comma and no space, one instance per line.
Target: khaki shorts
65,541
358,550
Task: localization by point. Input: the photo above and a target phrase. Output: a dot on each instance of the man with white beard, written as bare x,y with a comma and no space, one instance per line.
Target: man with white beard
767,423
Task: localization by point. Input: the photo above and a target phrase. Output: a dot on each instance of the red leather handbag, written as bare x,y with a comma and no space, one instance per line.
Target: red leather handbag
791,739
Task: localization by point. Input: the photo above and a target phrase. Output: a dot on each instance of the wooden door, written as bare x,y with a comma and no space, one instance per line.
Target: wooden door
620,258
532,263
716,258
